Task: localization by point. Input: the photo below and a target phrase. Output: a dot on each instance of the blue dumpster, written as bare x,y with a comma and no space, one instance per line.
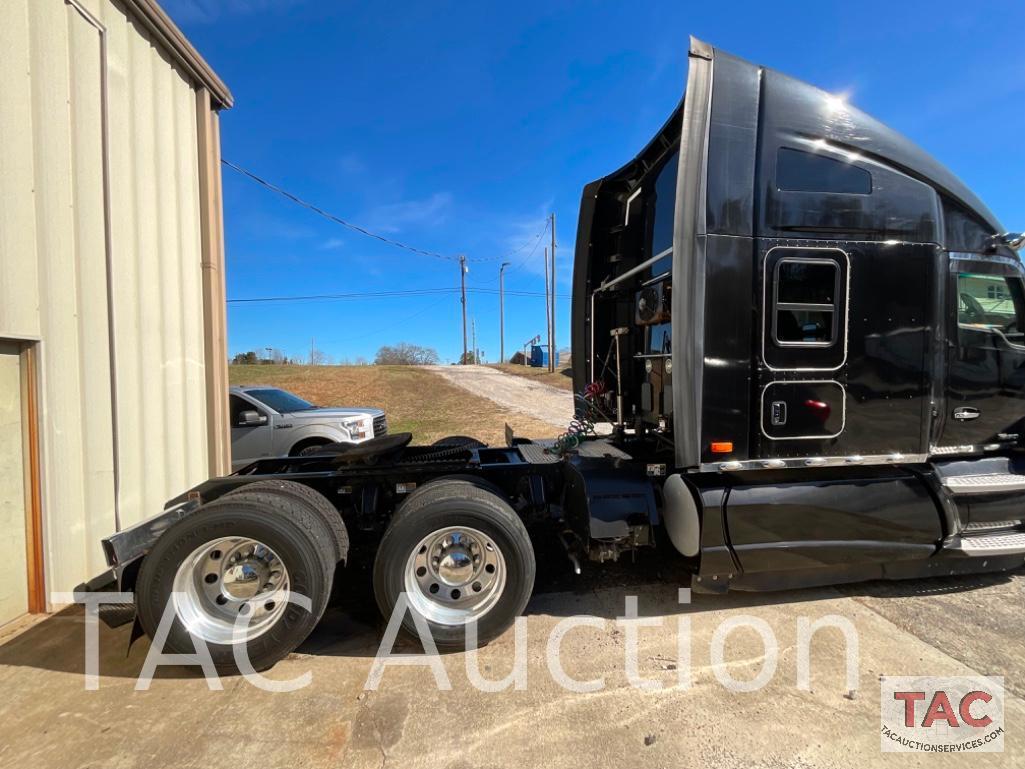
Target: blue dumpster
539,356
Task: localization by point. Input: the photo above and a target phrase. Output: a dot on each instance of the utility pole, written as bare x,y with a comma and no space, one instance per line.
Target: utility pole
311,350
462,282
474,322
548,307
551,350
501,311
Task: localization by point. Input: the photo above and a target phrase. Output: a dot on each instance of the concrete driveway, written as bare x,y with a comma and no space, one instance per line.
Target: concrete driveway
956,626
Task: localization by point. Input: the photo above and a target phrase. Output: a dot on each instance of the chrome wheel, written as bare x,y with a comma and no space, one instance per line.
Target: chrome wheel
455,575
226,579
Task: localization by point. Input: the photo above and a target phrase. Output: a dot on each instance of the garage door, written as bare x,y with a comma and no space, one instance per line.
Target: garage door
13,518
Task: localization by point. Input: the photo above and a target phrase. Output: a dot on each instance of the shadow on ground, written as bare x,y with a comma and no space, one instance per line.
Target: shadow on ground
352,625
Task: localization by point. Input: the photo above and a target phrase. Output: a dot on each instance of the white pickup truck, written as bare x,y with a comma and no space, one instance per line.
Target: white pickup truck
271,422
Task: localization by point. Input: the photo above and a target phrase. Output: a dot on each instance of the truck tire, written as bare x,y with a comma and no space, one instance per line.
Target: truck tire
432,487
239,555
459,553
335,531
460,440
313,448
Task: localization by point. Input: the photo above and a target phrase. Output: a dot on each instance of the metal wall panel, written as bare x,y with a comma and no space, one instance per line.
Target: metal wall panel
65,67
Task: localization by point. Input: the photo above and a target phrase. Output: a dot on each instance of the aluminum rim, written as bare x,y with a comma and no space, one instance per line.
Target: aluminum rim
455,575
226,579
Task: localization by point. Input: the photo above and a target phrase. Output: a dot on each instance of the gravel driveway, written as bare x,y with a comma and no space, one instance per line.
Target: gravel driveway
544,402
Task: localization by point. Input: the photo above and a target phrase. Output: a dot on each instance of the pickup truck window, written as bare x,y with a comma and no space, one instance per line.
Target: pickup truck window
279,400
236,406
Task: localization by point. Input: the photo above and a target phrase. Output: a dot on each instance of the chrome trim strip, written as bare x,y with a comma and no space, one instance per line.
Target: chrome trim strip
792,463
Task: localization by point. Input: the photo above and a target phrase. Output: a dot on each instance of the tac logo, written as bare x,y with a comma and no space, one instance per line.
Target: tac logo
934,714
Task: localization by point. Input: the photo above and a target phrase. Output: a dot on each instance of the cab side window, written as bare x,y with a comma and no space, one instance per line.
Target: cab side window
991,302
236,406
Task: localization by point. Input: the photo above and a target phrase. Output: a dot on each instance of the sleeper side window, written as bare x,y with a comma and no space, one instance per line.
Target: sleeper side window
804,310
805,306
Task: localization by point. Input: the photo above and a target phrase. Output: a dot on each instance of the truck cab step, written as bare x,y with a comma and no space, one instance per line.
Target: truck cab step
998,543
993,483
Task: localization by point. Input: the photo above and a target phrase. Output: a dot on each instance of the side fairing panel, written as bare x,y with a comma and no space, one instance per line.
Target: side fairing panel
815,524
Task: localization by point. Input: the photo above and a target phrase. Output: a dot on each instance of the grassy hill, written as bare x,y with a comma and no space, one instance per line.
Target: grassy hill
415,399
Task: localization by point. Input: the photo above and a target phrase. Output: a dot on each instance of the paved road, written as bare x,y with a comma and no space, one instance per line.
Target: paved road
944,626
544,402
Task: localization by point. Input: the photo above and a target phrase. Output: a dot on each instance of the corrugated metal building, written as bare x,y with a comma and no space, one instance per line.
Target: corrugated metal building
113,361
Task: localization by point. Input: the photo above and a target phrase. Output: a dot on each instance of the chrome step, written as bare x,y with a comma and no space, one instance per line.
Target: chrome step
990,525
985,484
1004,543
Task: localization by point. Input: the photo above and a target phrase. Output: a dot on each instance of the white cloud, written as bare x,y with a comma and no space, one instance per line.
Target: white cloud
393,217
332,244
522,236
352,164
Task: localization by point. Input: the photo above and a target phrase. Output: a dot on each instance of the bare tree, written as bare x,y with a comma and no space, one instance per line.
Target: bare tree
318,357
406,354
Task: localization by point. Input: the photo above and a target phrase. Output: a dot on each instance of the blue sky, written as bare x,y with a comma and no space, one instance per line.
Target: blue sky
457,127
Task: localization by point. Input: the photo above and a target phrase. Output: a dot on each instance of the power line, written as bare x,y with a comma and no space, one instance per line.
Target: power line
355,227
353,295
379,295
331,217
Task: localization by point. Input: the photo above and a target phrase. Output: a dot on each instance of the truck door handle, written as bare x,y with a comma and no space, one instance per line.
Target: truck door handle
966,413
778,414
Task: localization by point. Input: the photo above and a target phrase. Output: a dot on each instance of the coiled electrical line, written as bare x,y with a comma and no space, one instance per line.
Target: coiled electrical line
582,425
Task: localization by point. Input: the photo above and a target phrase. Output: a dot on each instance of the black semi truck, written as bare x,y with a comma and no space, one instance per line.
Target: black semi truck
807,336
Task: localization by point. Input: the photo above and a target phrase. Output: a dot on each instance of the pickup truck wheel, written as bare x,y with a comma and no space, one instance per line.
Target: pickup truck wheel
314,448
460,554
238,557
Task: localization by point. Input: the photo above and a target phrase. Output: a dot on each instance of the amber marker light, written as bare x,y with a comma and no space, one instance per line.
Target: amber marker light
722,447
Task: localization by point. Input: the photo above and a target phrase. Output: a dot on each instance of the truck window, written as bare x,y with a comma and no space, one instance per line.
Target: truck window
805,302
798,171
237,405
661,214
993,302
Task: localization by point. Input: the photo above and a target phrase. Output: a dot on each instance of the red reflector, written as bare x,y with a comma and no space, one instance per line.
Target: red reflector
722,447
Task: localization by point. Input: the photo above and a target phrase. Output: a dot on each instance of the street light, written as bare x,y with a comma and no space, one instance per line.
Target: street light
501,311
